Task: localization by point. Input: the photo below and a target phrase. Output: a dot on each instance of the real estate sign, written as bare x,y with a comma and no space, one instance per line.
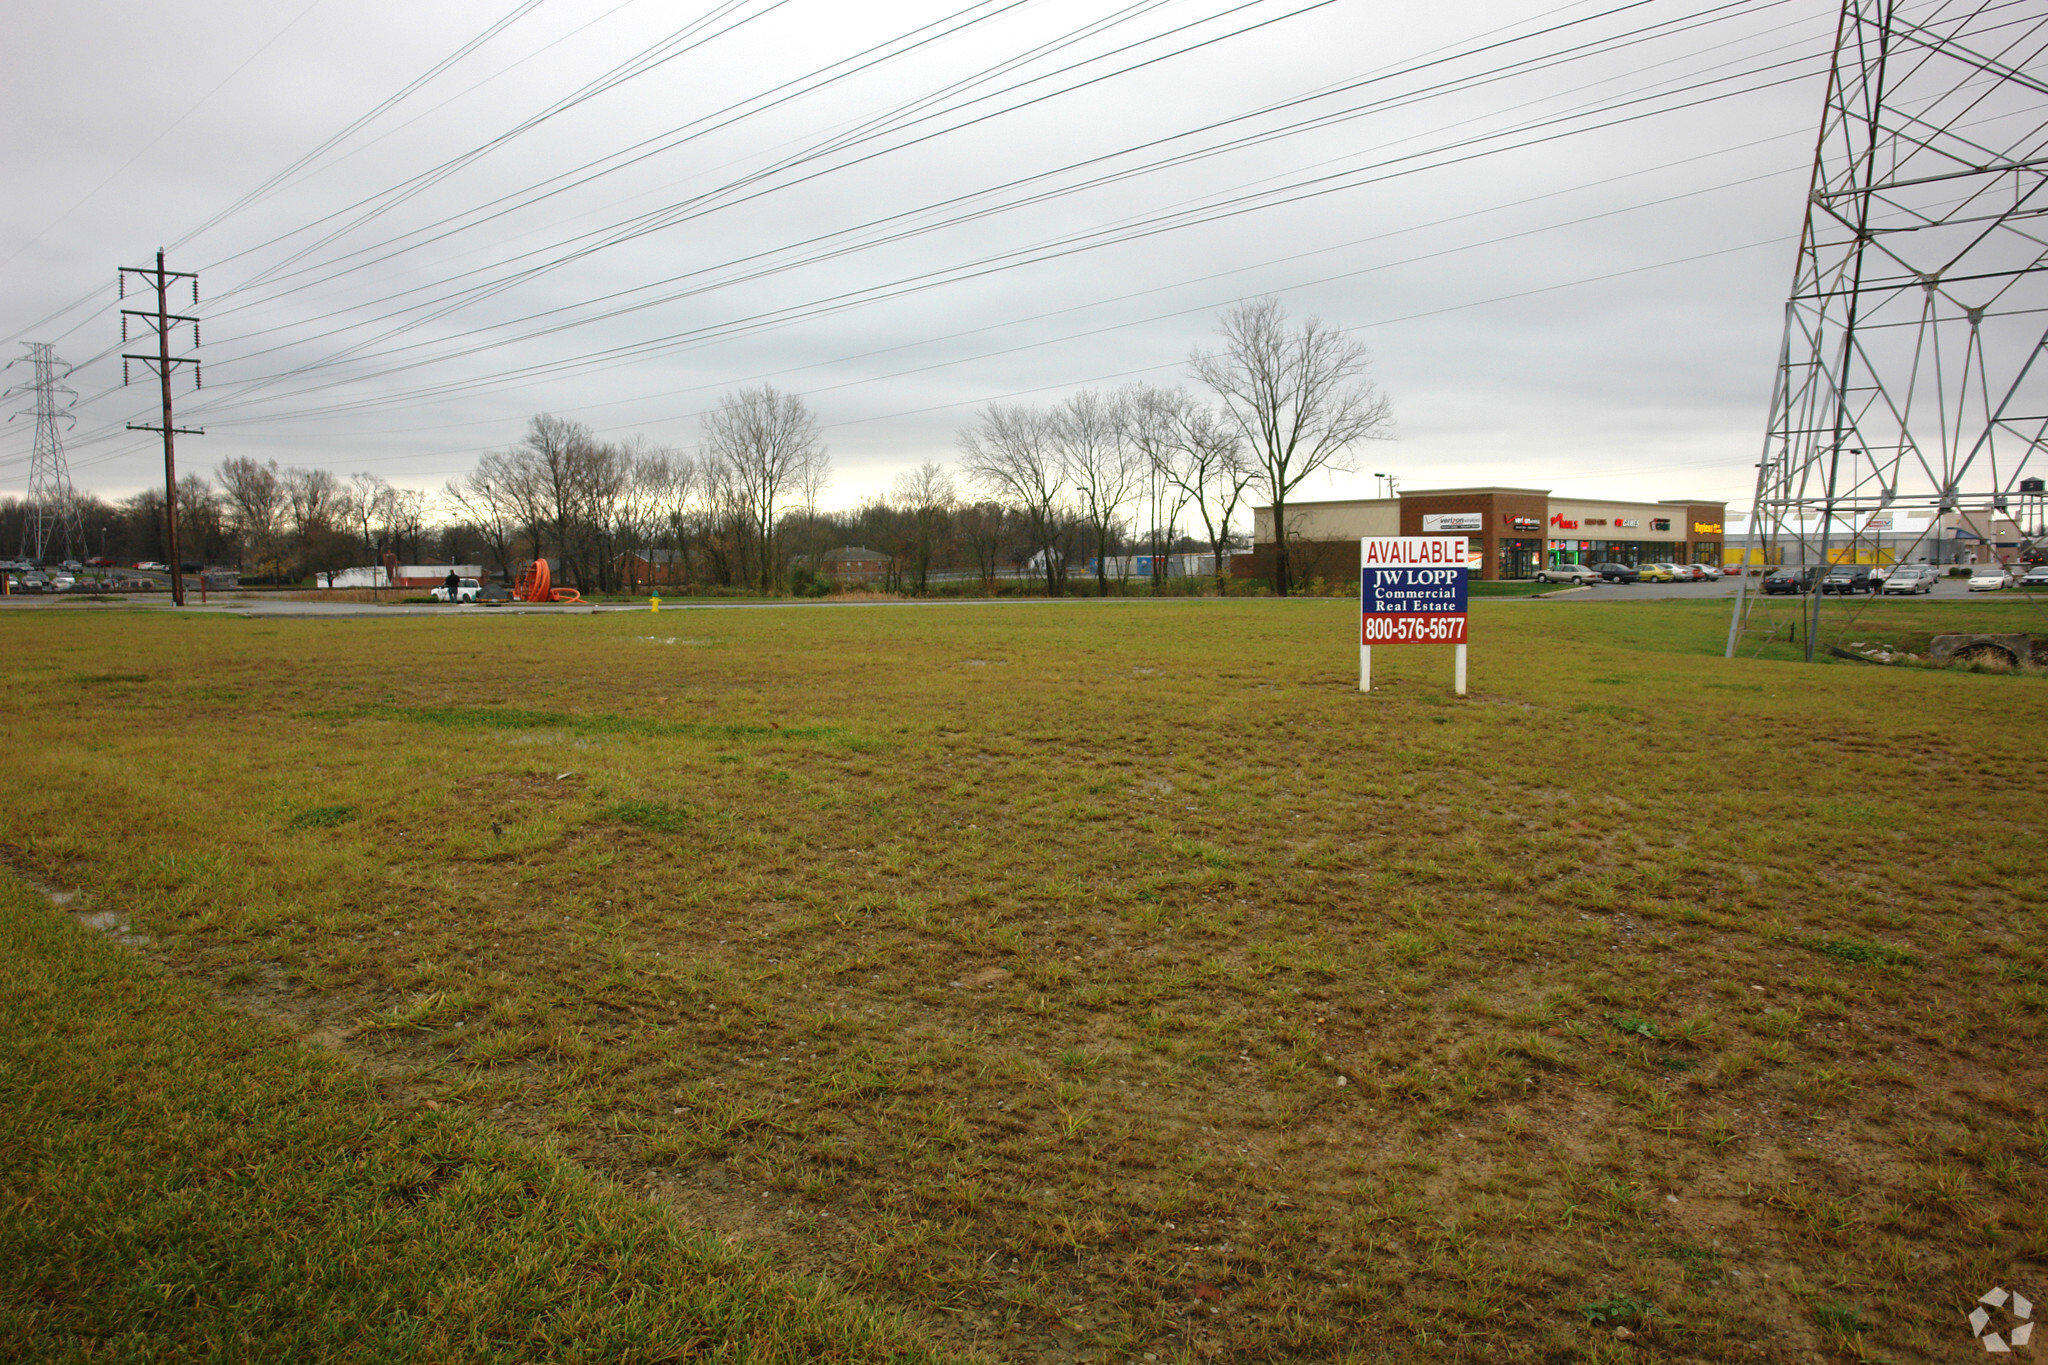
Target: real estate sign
1412,589
1411,592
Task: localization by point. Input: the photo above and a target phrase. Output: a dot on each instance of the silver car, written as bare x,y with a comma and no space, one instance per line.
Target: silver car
1908,578
1567,573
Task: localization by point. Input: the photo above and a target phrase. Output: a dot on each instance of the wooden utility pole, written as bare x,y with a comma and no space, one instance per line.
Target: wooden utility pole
163,360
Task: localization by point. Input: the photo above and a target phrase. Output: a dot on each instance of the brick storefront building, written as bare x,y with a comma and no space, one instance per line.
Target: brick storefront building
1512,531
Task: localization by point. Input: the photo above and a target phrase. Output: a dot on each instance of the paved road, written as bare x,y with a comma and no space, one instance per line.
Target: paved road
264,605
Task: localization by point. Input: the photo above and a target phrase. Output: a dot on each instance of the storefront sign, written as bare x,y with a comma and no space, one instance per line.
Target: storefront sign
1879,523
1706,528
1411,592
1596,521
1563,522
1625,521
1660,523
1433,522
1516,523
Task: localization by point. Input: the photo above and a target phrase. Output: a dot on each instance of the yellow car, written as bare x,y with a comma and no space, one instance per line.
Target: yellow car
1657,573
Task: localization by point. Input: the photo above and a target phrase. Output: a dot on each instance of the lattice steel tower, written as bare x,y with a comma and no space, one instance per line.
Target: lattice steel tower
52,508
1912,396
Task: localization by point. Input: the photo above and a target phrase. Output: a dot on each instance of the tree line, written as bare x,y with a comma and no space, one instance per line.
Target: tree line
1046,490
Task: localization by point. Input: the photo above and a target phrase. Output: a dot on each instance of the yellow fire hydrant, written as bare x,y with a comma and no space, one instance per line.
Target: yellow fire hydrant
654,602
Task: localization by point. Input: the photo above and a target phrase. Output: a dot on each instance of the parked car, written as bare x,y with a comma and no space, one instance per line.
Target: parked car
1906,579
1656,573
2036,577
34,582
62,582
1732,570
1991,577
152,566
1791,580
1617,573
1848,578
1567,573
465,591
99,562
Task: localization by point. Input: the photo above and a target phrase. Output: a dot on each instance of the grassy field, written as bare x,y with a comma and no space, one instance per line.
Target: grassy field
183,1184
1113,981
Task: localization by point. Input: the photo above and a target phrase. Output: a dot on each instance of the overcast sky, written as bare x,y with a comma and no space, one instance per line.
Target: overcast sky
1566,232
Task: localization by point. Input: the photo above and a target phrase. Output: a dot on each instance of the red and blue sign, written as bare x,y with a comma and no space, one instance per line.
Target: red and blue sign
1412,590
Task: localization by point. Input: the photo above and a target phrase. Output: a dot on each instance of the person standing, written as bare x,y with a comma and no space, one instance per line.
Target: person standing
453,584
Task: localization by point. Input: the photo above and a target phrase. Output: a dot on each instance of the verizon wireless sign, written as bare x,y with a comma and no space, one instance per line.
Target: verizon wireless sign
1411,592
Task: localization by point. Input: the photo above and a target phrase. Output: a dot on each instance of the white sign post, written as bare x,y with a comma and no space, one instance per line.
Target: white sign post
1411,592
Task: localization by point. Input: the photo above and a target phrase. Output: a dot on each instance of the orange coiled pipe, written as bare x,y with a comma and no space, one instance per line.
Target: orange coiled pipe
535,586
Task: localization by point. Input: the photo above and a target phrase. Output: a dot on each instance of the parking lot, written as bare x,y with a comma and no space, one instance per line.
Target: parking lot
1945,588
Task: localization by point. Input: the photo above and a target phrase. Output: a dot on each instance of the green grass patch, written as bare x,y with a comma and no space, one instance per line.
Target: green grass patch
1843,1319
1867,953
1619,1309
654,815
582,723
183,1185
321,817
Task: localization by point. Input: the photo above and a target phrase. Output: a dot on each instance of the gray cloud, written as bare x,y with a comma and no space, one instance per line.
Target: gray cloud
1594,313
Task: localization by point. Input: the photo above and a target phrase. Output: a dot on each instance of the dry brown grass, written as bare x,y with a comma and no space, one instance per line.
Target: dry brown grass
1113,979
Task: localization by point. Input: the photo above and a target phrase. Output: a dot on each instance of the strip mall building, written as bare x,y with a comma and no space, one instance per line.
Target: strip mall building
1513,532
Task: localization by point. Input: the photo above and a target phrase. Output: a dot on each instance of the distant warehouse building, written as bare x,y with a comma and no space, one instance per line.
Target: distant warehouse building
1513,532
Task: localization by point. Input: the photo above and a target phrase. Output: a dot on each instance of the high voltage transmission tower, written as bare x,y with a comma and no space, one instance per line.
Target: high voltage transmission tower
162,363
1912,394
52,509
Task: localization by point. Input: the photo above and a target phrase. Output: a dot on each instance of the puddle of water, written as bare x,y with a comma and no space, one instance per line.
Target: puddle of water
112,923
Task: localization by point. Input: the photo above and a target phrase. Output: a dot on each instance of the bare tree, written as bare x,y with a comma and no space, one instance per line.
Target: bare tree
405,523
1299,397
488,504
1152,420
316,511
988,528
1200,453
926,495
256,498
1010,452
368,500
1100,464
768,454
551,473
657,486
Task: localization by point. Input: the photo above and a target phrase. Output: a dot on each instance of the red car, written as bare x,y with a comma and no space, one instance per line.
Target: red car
101,562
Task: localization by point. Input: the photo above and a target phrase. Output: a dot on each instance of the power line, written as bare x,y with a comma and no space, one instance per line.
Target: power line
1453,153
